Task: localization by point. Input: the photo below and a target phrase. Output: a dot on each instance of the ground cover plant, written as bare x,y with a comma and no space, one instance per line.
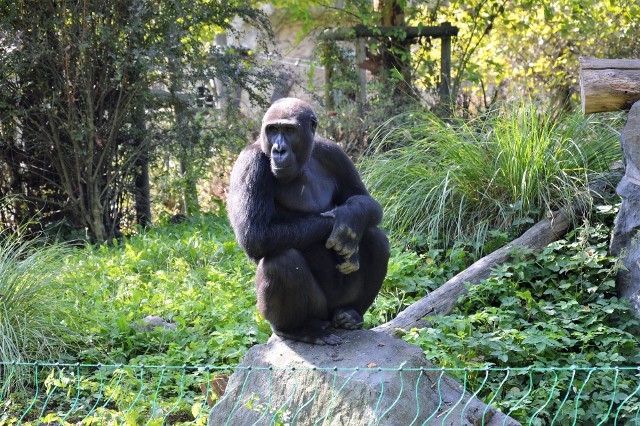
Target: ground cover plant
558,308
190,274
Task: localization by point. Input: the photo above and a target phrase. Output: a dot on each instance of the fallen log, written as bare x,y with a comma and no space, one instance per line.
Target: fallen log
609,84
442,300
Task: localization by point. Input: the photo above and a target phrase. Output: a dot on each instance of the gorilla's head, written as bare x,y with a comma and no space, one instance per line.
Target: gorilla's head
288,130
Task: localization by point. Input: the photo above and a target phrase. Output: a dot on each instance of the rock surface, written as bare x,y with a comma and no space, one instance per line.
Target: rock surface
624,241
302,384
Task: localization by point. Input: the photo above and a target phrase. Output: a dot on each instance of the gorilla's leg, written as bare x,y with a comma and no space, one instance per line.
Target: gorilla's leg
291,300
361,287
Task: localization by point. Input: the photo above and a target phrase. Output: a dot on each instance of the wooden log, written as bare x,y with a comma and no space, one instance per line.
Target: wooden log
609,84
442,300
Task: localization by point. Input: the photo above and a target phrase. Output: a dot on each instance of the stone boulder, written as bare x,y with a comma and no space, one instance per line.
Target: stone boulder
624,241
297,383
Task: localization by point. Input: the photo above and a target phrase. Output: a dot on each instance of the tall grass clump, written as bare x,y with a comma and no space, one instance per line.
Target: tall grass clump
35,308
475,179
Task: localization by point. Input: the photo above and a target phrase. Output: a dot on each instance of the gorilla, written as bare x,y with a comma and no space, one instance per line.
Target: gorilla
300,211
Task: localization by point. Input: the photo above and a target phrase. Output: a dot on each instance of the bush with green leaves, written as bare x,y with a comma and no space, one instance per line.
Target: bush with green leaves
191,274
557,308
473,180
413,271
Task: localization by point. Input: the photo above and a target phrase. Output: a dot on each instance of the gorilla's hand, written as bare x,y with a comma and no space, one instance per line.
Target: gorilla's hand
344,239
350,264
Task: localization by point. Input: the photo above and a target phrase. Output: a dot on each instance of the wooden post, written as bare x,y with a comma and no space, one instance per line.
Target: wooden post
445,70
328,83
361,56
609,84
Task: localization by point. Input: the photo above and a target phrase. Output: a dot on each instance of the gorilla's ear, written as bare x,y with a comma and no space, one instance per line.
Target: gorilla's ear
313,120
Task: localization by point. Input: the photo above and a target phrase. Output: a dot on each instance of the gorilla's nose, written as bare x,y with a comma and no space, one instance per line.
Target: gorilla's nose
278,149
280,155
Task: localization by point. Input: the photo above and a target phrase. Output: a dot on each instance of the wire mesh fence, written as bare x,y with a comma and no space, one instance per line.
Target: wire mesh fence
79,394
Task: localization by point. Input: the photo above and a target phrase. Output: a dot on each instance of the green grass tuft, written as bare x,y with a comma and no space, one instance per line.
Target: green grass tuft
453,181
36,315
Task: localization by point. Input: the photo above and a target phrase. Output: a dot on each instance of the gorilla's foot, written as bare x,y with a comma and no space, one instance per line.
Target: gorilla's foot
347,318
315,333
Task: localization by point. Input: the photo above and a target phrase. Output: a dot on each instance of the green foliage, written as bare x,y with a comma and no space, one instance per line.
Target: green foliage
86,88
483,180
194,159
414,270
503,48
191,274
553,309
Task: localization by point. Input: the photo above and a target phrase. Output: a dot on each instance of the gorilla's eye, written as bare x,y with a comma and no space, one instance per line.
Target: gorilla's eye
271,129
289,129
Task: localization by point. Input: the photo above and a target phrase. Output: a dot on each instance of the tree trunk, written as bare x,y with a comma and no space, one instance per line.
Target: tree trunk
142,192
609,84
396,52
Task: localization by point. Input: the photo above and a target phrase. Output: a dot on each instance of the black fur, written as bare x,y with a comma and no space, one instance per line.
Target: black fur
301,212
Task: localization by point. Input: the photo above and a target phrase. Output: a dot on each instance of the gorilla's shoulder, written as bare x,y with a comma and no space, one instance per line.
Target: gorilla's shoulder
253,152
327,145
251,161
252,149
329,151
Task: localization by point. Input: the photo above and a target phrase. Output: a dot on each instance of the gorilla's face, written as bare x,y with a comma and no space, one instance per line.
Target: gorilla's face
288,130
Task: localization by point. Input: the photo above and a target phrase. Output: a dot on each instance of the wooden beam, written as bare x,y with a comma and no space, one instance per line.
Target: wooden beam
361,31
445,72
609,84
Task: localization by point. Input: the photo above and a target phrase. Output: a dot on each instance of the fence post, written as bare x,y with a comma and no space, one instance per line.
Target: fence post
445,70
361,56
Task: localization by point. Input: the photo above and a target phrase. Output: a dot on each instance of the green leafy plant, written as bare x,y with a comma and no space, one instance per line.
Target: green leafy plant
556,309
190,274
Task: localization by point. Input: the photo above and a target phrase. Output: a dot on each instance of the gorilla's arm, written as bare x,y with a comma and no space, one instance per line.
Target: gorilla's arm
355,209
253,215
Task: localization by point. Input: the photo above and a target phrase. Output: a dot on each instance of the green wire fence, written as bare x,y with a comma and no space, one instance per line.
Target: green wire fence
100,394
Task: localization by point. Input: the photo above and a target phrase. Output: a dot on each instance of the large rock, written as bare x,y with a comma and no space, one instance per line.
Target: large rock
624,241
302,384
